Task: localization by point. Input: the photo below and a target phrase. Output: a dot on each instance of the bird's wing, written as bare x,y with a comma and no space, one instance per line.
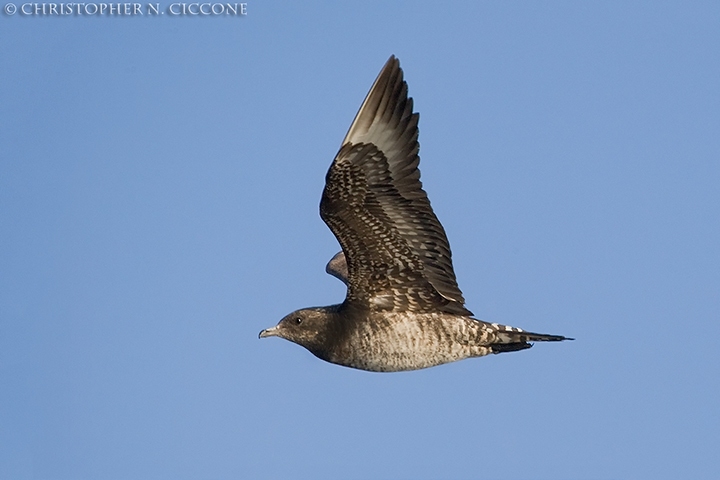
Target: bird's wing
397,253
337,267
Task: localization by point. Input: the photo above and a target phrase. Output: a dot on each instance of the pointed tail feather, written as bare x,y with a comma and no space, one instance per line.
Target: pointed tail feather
542,337
511,339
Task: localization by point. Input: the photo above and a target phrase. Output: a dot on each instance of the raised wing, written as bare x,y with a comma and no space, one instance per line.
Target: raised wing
397,253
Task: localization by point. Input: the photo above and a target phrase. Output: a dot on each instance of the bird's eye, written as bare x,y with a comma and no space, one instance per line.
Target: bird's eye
298,320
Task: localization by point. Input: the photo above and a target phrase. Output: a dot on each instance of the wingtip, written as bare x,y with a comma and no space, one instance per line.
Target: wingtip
390,75
394,62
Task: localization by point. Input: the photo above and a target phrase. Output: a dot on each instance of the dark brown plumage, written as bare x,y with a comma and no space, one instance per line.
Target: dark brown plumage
403,309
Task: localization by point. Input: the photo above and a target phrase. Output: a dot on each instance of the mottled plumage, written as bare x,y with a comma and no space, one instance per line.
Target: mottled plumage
403,309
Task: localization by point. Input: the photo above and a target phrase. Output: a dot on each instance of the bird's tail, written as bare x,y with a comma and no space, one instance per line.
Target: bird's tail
511,339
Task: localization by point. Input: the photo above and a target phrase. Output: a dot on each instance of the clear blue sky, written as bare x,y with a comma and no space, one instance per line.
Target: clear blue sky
159,188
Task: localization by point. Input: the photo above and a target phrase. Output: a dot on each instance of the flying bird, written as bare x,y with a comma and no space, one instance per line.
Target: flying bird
403,309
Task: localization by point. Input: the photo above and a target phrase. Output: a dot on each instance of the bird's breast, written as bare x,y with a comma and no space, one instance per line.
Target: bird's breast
387,342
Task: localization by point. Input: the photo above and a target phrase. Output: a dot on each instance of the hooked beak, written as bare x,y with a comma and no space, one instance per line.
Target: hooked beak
269,332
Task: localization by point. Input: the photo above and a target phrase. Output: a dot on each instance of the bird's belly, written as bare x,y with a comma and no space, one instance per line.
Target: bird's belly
397,342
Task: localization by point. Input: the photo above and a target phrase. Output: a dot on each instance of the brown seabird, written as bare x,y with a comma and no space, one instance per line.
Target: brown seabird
403,309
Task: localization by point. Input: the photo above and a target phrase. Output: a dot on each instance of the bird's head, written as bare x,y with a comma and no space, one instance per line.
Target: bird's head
307,327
